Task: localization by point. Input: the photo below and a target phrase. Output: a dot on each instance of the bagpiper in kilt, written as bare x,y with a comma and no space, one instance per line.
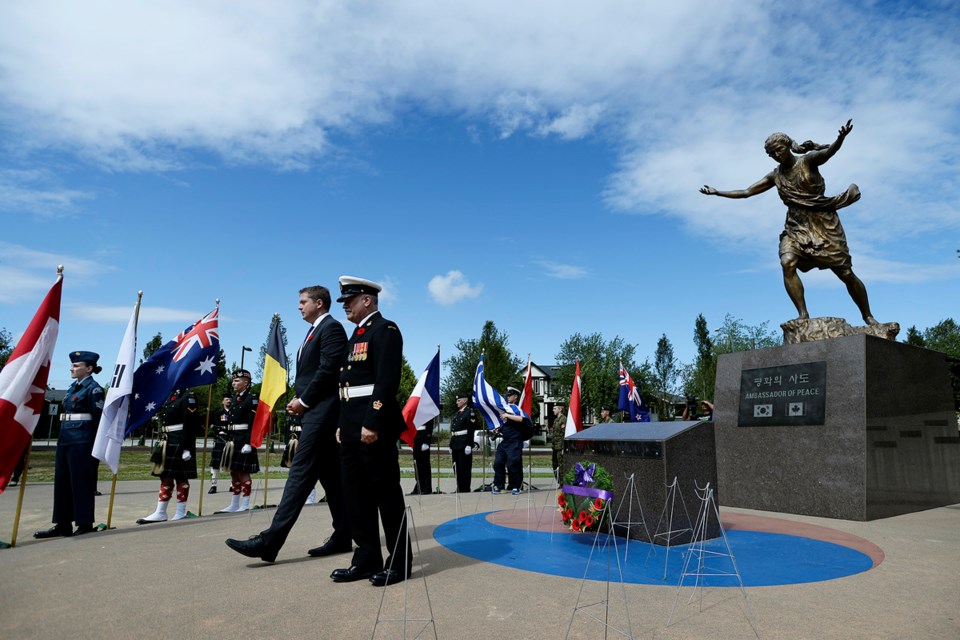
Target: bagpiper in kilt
175,456
242,457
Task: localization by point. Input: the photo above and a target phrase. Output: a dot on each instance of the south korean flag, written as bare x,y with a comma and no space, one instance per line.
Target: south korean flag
763,411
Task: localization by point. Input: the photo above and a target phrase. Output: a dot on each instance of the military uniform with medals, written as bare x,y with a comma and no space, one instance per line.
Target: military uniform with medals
369,382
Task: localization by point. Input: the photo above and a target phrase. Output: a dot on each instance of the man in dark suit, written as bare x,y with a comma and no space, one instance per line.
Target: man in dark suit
370,424
318,454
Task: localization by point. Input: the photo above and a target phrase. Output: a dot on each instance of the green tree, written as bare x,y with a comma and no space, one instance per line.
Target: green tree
408,380
914,337
262,359
945,338
736,335
6,346
501,366
665,372
151,347
703,374
599,369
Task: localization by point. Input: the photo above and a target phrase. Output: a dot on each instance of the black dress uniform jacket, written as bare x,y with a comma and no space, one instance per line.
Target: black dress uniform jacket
180,410
243,411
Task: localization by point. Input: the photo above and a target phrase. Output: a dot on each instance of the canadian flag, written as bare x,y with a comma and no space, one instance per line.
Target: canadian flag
23,382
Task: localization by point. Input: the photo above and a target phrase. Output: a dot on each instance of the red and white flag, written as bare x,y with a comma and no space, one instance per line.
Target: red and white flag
526,398
23,382
424,403
574,421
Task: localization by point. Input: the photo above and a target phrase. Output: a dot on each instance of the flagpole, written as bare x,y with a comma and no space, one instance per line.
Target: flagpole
206,431
203,456
23,488
113,482
266,475
26,465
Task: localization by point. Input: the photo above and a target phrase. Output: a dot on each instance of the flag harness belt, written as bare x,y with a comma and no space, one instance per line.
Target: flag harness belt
75,416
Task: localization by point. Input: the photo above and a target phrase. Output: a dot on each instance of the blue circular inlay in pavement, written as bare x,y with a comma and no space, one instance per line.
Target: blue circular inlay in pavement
763,559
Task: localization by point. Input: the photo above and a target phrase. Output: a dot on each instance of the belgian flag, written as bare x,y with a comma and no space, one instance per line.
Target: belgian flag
274,384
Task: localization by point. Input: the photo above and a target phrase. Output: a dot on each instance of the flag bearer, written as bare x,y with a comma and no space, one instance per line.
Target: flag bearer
75,468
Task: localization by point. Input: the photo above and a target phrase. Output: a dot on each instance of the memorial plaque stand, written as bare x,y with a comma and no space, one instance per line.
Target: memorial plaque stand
655,453
857,427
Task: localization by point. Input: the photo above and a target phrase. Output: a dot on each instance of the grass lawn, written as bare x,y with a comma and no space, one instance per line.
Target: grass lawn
135,465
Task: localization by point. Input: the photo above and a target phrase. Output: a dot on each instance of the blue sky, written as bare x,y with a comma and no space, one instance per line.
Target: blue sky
535,164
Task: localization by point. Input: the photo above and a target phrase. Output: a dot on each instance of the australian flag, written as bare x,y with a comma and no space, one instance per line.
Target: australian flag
630,400
189,360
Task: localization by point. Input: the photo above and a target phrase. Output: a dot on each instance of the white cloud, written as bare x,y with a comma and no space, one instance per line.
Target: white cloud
684,92
35,191
452,288
26,273
562,271
148,315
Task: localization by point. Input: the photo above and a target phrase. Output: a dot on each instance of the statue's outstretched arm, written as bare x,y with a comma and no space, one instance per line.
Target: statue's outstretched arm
764,184
819,157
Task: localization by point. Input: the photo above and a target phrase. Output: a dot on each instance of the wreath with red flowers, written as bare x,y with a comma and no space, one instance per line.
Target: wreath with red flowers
582,514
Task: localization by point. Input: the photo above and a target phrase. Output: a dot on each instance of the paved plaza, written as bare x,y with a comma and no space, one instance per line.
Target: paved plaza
179,580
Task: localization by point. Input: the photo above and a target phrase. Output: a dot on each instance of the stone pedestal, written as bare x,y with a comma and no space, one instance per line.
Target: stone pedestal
857,428
655,453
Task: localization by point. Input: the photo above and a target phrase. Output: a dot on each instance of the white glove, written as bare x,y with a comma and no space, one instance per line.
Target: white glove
246,449
467,450
424,447
186,456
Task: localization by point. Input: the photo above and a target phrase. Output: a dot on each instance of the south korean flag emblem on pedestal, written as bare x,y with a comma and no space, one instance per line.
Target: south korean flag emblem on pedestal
763,411
794,409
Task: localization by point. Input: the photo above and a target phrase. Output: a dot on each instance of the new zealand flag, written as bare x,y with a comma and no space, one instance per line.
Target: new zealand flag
189,360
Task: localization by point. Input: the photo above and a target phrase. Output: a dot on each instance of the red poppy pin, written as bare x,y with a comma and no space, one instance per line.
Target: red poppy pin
360,331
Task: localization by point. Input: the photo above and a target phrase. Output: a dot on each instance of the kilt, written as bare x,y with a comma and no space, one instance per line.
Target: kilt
243,462
174,465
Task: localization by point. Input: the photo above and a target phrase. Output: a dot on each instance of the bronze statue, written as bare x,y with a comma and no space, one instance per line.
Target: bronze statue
812,235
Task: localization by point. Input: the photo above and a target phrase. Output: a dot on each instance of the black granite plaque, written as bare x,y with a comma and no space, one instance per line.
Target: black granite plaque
787,396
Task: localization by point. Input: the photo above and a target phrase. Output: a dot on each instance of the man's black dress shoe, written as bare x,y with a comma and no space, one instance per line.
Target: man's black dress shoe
54,532
330,547
387,577
212,489
84,528
352,574
255,547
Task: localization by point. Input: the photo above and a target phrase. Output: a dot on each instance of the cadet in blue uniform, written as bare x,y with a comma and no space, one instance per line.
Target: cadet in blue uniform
462,428
370,424
177,455
75,468
242,457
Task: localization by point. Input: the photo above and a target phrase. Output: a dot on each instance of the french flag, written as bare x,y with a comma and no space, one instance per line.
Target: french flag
424,403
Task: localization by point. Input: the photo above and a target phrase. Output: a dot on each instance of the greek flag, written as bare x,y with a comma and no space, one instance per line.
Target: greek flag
489,402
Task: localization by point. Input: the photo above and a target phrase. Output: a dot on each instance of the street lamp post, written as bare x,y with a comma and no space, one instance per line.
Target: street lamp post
243,353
